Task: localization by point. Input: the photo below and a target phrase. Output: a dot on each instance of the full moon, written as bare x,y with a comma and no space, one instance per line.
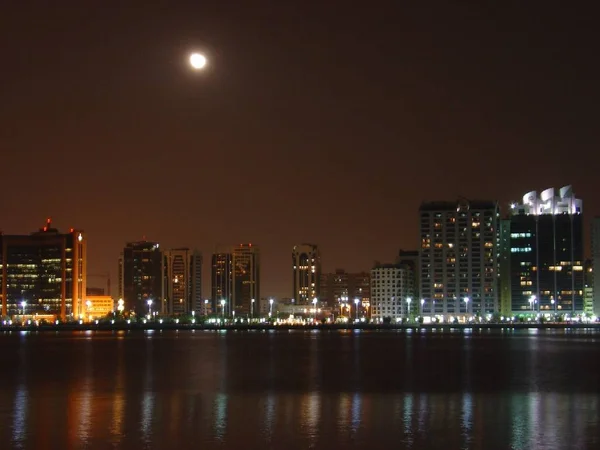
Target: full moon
197,60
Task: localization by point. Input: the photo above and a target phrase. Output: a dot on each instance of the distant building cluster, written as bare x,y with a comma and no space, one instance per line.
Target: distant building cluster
472,262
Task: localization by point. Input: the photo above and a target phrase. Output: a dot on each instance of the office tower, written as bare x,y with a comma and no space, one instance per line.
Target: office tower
246,279
335,287
546,245
44,273
595,277
504,255
340,289
306,266
410,258
392,291
588,290
458,258
182,281
359,288
141,280
221,281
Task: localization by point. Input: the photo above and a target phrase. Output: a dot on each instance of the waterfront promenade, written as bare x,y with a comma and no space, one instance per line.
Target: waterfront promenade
118,326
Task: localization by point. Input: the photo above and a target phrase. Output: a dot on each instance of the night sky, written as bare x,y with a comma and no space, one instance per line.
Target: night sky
316,121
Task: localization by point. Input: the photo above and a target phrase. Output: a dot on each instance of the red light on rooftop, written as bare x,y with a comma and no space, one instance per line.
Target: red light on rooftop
250,244
72,230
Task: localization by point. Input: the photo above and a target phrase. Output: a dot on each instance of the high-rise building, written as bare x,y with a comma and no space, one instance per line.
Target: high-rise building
595,284
246,279
340,290
504,255
458,258
392,291
44,273
183,281
410,258
546,253
141,270
306,266
335,287
221,280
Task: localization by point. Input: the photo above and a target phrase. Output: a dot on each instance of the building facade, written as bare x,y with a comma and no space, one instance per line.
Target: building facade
392,292
141,277
595,275
221,281
306,272
340,291
458,258
182,286
246,279
546,253
504,277
410,258
44,273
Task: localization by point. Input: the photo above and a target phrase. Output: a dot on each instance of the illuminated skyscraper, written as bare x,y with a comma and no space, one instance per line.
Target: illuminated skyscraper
44,273
392,286
183,281
221,280
306,267
246,279
595,276
546,253
458,258
141,279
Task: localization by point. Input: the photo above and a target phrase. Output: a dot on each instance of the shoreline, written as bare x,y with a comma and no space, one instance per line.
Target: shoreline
320,327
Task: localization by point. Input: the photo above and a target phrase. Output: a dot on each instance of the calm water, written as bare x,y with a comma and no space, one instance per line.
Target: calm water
288,390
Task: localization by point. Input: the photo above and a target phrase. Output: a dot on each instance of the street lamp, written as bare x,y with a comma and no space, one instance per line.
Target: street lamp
532,301
149,301
223,308
270,307
408,300
252,309
314,302
553,304
23,305
356,302
466,305
422,305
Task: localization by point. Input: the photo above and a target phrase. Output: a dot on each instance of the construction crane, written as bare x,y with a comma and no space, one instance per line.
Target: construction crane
106,276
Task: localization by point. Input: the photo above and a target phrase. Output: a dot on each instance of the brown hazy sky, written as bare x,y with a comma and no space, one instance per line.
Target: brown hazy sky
317,121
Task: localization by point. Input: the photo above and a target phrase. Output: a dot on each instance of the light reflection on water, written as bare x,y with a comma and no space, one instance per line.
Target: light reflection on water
305,391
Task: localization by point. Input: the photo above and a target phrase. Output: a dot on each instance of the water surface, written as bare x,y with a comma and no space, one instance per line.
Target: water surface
525,389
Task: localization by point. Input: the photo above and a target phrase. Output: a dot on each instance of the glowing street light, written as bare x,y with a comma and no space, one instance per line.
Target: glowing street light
408,300
149,302
88,305
23,305
422,305
223,308
532,301
356,302
252,308
120,305
270,307
314,302
466,305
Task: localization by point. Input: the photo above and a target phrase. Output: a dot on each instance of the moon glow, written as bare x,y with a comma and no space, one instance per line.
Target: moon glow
197,60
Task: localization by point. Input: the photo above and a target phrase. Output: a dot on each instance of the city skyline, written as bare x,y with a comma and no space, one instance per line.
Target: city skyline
296,108
284,286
